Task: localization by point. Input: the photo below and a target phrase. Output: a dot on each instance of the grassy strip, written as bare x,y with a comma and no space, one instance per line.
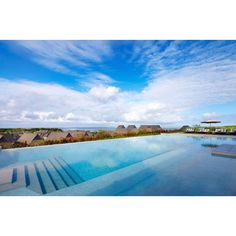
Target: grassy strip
227,127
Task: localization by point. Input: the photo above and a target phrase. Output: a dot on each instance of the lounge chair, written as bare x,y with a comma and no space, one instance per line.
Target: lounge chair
232,131
203,131
206,131
200,130
220,131
189,130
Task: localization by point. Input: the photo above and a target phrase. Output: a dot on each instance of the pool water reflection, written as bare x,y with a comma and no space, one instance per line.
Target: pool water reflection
196,172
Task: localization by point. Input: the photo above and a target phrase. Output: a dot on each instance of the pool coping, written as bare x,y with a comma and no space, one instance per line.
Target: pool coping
134,137
41,146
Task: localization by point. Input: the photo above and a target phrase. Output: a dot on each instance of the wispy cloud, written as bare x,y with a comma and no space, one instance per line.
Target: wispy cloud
93,79
161,57
192,87
67,56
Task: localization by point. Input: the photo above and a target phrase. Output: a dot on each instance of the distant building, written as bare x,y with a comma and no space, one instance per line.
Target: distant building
57,136
121,129
80,133
29,138
43,133
3,139
183,128
150,128
8,138
132,128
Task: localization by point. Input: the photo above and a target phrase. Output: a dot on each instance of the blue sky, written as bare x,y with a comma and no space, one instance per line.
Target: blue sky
105,83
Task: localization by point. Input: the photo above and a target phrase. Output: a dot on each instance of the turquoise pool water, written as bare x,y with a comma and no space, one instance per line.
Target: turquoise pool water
196,172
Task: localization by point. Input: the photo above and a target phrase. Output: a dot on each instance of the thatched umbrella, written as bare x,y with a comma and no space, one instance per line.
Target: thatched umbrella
211,122
210,144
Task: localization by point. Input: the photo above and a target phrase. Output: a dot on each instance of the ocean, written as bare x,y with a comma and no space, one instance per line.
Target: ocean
89,128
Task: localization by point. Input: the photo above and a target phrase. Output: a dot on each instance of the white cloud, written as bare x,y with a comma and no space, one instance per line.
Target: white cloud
11,103
55,103
95,79
210,116
52,102
46,117
185,76
104,93
193,87
144,111
164,100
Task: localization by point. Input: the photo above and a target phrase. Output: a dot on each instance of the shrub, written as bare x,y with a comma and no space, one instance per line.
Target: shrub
13,145
103,135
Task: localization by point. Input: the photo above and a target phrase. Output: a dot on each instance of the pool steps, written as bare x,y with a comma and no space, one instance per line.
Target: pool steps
42,176
118,181
67,180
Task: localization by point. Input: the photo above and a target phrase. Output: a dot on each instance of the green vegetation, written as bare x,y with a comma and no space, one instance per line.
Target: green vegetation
113,135
99,135
13,145
21,130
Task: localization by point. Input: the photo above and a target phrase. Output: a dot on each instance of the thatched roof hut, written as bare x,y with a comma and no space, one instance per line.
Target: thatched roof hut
29,138
150,128
3,139
8,138
57,136
132,128
43,133
121,129
184,127
80,133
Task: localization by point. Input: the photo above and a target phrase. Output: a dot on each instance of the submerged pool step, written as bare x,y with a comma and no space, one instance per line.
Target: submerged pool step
12,178
45,180
6,176
61,171
6,179
21,176
43,176
73,175
34,184
56,178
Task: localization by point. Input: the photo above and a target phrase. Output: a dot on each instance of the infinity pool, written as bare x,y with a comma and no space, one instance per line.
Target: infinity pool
193,172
